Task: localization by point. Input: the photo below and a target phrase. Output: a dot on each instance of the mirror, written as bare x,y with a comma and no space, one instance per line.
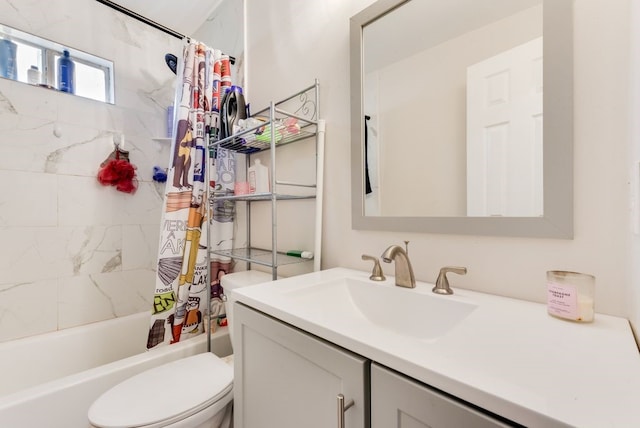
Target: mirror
430,101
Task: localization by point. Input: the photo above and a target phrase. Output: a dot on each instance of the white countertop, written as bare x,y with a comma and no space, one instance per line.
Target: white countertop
508,356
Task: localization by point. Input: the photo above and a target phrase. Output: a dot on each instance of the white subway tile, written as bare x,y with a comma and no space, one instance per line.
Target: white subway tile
28,199
28,308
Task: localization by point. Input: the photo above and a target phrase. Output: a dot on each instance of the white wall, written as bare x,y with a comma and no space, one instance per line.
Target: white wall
74,251
291,42
224,30
423,119
634,166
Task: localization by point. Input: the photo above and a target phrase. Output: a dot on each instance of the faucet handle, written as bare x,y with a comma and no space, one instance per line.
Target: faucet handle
376,274
442,283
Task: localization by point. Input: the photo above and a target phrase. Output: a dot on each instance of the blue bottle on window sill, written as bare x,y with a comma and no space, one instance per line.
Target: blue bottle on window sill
8,59
66,73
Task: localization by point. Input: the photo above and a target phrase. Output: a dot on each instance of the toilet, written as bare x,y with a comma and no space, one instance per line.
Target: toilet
144,401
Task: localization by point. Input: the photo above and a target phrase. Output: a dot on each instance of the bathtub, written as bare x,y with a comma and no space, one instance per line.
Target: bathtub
50,380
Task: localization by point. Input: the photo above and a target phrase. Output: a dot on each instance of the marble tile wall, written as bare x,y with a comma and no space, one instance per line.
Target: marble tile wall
224,30
71,250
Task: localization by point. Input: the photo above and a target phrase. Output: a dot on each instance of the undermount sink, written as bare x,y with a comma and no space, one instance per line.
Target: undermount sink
416,312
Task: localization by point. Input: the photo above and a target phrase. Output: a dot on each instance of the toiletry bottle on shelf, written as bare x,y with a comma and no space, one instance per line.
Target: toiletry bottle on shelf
258,178
170,121
8,59
66,73
34,75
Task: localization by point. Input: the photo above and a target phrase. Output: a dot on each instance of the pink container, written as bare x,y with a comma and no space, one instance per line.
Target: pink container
241,188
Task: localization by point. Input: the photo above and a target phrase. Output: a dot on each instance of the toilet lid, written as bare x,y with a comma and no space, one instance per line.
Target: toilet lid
171,391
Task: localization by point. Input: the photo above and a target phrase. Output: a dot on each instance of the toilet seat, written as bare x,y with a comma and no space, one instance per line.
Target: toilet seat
165,394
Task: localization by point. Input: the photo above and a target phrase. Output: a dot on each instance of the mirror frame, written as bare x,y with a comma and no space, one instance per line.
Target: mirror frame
557,221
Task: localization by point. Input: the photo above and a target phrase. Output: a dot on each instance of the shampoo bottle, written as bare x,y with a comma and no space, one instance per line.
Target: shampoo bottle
8,59
170,121
66,73
258,178
34,76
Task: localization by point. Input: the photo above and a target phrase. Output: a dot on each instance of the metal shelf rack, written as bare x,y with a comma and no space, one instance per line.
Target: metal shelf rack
274,131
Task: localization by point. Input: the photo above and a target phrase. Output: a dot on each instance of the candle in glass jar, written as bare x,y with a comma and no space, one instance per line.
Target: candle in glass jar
570,295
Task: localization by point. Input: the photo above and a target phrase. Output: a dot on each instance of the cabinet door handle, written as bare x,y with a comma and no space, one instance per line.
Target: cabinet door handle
342,407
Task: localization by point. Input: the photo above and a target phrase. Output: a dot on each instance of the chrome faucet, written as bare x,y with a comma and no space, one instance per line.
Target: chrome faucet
404,271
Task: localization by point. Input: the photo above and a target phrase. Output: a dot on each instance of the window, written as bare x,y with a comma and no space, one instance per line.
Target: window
91,80
31,59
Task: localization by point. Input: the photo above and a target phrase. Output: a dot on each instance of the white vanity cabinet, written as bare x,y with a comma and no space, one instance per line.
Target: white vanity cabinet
398,401
480,372
285,378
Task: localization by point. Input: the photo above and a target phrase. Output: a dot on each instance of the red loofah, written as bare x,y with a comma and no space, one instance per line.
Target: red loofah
119,173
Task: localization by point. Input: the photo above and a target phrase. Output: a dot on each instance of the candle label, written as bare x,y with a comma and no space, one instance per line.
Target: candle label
562,300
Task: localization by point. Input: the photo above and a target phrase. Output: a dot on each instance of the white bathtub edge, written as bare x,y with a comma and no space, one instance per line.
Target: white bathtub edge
63,403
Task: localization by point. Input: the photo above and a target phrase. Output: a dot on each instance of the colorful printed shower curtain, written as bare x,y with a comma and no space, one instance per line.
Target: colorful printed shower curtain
180,298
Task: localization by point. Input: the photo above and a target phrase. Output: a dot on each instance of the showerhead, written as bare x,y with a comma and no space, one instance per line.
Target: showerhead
172,62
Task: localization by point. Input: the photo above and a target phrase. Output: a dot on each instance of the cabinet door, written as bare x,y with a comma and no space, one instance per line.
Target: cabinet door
397,401
285,378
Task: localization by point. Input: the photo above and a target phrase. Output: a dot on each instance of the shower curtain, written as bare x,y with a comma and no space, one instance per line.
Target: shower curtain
180,298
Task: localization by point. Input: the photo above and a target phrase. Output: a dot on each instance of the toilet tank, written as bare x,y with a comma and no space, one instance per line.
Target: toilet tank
240,279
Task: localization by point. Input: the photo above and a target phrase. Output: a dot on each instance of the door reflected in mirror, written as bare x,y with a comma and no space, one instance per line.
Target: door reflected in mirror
452,98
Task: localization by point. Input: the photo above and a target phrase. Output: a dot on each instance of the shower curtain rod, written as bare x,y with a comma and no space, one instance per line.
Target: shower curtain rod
148,21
